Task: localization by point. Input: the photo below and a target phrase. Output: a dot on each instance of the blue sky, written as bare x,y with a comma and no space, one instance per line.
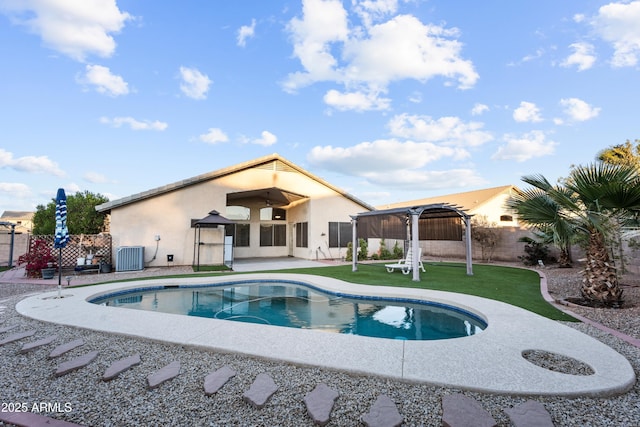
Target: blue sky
390,100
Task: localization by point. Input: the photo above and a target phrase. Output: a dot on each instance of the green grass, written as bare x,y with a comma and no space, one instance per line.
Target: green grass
516,286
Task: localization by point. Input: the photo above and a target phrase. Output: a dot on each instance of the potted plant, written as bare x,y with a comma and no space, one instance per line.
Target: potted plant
39,262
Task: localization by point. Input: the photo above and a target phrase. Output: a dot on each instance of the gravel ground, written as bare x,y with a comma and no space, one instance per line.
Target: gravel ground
82,397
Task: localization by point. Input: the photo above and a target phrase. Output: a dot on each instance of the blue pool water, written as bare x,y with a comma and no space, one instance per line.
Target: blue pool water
296,305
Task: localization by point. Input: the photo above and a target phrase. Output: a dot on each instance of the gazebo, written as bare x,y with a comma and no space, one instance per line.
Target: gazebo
439,221
213,220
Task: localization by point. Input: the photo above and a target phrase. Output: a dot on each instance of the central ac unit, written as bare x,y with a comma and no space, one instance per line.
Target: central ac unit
130,258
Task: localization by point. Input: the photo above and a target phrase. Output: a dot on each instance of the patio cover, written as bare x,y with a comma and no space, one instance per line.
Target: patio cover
403,223
272,196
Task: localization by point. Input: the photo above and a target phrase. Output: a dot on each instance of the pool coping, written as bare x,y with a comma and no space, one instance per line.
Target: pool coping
490,361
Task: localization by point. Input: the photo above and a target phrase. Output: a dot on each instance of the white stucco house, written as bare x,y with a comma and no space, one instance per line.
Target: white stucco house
487,203
277,209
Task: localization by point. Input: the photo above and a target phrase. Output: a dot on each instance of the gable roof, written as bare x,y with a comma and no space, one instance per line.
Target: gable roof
272,161
468,200
28,215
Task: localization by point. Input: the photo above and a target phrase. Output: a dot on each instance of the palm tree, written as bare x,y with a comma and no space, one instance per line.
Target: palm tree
591,203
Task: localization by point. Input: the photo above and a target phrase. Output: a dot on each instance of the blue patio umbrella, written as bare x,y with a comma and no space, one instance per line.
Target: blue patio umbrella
62,232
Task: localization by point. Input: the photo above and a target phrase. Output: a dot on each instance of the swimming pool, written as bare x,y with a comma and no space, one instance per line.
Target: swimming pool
297,305
490,361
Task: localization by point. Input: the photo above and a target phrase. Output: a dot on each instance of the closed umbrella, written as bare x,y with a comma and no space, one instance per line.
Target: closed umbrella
62,232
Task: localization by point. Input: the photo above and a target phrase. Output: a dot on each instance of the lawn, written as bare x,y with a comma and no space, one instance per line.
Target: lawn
516,286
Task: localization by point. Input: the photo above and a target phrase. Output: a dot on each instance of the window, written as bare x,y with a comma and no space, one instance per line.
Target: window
340,234
273,235
238,213
273,214
302,235
242,235
506,218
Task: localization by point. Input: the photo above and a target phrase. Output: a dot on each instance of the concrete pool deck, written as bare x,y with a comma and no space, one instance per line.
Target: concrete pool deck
490,361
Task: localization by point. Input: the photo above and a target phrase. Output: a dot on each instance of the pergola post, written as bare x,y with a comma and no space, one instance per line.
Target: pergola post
415,244
354,246
467,223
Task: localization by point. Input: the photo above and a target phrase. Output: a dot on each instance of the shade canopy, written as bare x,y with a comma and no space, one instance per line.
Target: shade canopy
212,220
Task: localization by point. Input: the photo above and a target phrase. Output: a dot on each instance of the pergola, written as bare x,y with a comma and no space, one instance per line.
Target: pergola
388,222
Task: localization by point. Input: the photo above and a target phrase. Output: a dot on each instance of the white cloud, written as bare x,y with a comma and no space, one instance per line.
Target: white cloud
266,139
323,23
582,56
374,10
356,101
246,32
404,169
15,190
578,110
214,136
194,84
104,81
617,23
365,157
427,179
446,130
75,28
134,124
521,148
29,164
479,109
95,178
365,60
527,112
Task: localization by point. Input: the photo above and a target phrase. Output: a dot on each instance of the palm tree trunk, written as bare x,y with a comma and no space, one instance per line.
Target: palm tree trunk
565,261
600,282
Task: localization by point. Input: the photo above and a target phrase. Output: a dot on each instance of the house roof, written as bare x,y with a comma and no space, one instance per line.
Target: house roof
469,200
271,161
17,215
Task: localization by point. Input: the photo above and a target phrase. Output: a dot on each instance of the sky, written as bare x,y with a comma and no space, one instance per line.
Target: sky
389,100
